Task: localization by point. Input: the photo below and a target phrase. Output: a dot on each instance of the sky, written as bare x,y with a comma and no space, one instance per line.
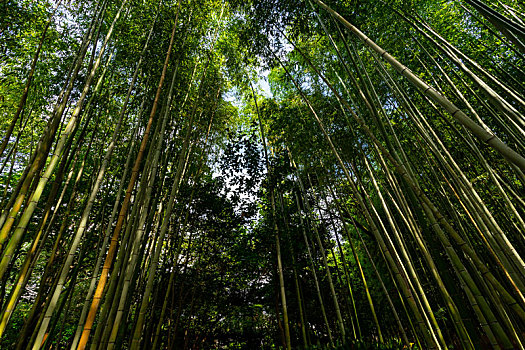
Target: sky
263,83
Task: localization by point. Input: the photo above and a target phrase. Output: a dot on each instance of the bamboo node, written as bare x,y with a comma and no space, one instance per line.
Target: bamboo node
490,138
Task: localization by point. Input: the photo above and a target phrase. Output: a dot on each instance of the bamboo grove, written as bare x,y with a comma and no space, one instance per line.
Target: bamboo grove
156,193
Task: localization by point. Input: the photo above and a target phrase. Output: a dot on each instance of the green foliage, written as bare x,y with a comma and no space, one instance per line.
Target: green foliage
217,280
